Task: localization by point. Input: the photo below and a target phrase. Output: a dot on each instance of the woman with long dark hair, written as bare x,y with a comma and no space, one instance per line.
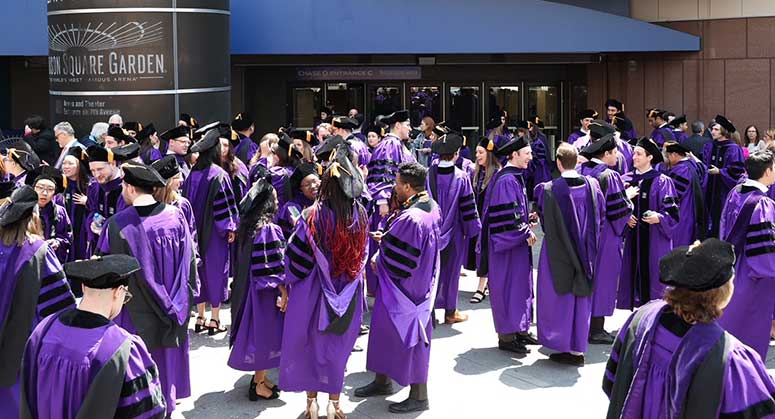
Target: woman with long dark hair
209,190
32,287
259,298
77,178
169,170
324,264
487,164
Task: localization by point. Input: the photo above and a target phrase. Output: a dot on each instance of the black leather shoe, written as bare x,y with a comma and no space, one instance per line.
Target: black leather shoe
568,359
374,389
357,348
601,338
527,339
514,346
408,406
364,330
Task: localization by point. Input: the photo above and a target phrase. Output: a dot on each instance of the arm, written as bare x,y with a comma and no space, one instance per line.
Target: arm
667,206
618,208
760,241
734,169
64,232
299,259
225,213
142,386
507,217
469,218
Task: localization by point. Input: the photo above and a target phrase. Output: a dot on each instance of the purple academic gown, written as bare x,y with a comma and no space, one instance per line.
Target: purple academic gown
32,287
257,329
387,156
459,223
652,369
505,257
686,176
56,226
71,366
281,181
285,217
563,318
539,169
360,149
748,222
323,316
77,214
245,149
662,134
215,211
106,200
240,183
645,244
162,244
728,157
624,157
153,154
575,136
408,268
608,266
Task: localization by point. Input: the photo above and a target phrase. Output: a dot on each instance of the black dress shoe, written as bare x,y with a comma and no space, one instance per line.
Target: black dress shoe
408,406
568,359
357,348
374,389
601,338
527,339
364,330
513,346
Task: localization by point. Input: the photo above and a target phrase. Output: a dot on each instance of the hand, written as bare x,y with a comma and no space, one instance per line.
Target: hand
383,210
376,235
632,222
713,170
53,244
283,304
94,229
80,199
533,217
653,219
231,236
632,192
532,239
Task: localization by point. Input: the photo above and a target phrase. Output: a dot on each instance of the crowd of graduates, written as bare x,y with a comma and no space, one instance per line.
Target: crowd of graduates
299,229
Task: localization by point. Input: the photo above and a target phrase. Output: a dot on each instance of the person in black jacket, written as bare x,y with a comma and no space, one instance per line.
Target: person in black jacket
41,139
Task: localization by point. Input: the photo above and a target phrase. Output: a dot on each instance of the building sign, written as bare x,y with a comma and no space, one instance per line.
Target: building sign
148,60
358,73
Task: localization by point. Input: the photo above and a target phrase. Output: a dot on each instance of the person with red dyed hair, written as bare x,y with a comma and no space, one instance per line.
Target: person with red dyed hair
324,264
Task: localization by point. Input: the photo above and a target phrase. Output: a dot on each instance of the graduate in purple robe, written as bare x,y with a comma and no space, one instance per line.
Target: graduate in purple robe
614,111
673,360
662,131
104,195
505,249
748,222
170,194
408,269
257,328
285,158
387,156
679,125
149,142
209,191
32,287
571,209
245,148
157,235
305,183
80,364
324,263
688,176
602,156
176,141
77,177
540,169
585,118
487,165
651,228
18,160
451,189
55,223
344,127
726,168
625,133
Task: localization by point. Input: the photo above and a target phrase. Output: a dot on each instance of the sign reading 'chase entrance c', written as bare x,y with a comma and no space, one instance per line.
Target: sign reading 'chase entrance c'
359,73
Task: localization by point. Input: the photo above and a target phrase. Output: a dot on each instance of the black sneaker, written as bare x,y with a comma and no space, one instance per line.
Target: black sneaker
513,346
374,389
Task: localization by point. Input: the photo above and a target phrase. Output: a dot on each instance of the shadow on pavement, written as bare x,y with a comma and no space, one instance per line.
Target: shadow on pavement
210,405
478,361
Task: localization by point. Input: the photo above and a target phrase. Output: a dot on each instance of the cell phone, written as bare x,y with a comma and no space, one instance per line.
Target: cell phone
295,214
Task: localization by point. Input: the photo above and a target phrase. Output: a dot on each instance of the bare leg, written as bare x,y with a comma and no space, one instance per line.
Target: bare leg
216,314
200,309
482,284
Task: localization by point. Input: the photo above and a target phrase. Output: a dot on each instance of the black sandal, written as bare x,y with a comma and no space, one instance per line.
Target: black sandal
477,298
211,331
199,327
253,396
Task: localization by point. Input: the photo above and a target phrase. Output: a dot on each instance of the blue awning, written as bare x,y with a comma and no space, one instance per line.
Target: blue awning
399,27
440,27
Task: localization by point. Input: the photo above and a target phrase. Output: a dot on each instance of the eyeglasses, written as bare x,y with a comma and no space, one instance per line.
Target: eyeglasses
184,141
310,185
44,189
127,294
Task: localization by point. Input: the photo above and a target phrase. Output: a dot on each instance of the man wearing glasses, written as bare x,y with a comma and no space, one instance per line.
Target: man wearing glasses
80,363
65,137
158,236
177,141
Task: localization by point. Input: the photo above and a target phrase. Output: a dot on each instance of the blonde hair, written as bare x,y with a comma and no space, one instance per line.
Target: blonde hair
167,194
27,229
699,306
567,156
269,138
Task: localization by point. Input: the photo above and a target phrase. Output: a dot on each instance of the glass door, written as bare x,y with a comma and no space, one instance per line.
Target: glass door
305,106
505,97
425,100
341,97
384,99
464,109
544,101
